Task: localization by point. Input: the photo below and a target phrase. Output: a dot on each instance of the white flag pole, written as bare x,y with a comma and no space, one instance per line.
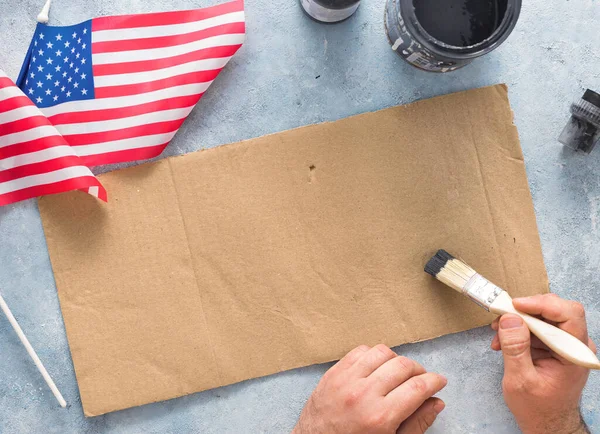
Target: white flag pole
43,15
31,351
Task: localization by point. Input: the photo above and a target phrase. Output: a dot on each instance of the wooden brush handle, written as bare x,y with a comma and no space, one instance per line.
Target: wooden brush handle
562,343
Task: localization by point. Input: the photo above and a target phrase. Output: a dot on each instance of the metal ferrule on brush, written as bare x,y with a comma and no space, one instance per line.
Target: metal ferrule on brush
481,291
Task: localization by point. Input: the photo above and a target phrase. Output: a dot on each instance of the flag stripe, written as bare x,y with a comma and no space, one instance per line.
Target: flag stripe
124,155
59,114
51,162
162,36
124,133
25,136
32,146
14,103
117,124
161,74
164,18
44,178
121,145
134,89
18,114
109,114
8,92
21,125
164,52
151,65
83,182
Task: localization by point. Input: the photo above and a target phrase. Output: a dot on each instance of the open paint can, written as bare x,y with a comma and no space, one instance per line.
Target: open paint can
330,11
443,35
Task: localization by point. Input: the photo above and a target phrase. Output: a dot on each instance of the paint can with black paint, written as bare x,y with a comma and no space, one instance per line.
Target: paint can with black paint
444,35
330,11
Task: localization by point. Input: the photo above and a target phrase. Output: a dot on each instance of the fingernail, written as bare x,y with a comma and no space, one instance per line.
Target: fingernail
511,322
439,406
522,299
444,379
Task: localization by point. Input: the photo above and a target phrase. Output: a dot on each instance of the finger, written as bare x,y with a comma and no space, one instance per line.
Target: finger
423,418
371,360
494,324
496,343
349,359
393,373
537,354
405,399
537,343
592,345
569,315
515,343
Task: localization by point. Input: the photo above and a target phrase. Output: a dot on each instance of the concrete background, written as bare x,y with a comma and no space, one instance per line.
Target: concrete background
292,72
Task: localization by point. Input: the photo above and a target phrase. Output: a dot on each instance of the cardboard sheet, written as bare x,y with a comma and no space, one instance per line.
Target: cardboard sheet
290,249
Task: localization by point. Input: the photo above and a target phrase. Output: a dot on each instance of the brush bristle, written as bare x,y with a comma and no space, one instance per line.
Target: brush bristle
435,264
449,270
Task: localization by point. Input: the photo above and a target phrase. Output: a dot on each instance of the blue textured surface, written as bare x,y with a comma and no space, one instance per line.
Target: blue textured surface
291,72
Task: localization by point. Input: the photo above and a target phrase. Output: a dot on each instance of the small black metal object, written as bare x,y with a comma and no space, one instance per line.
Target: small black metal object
329,11
582,132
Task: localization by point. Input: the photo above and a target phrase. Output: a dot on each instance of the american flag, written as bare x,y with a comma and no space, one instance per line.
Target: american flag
118,88
34,158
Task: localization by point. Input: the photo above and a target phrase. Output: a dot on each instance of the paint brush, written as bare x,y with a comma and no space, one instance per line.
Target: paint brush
459,276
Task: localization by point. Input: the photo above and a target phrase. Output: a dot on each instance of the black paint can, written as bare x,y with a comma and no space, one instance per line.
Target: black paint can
330,11
444,35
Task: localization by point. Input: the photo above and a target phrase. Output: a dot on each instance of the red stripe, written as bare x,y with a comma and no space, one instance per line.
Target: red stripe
164,18
31,146
40,167
83,182
151,65
178,80
166,41
125,133
123,156
14,103
6,82
124,112
24,124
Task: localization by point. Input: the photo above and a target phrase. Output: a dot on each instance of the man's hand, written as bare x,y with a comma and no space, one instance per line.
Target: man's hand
372,390
541,389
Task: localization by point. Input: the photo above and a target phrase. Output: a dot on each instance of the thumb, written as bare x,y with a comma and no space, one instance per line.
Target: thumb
515,342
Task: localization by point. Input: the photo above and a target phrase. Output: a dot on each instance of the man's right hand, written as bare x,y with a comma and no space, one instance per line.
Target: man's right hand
541,389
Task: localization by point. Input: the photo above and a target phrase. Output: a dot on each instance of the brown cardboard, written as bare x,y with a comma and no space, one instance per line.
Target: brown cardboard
290,249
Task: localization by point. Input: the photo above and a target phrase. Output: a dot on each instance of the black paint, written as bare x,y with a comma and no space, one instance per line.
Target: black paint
337,4
439,260
460,23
